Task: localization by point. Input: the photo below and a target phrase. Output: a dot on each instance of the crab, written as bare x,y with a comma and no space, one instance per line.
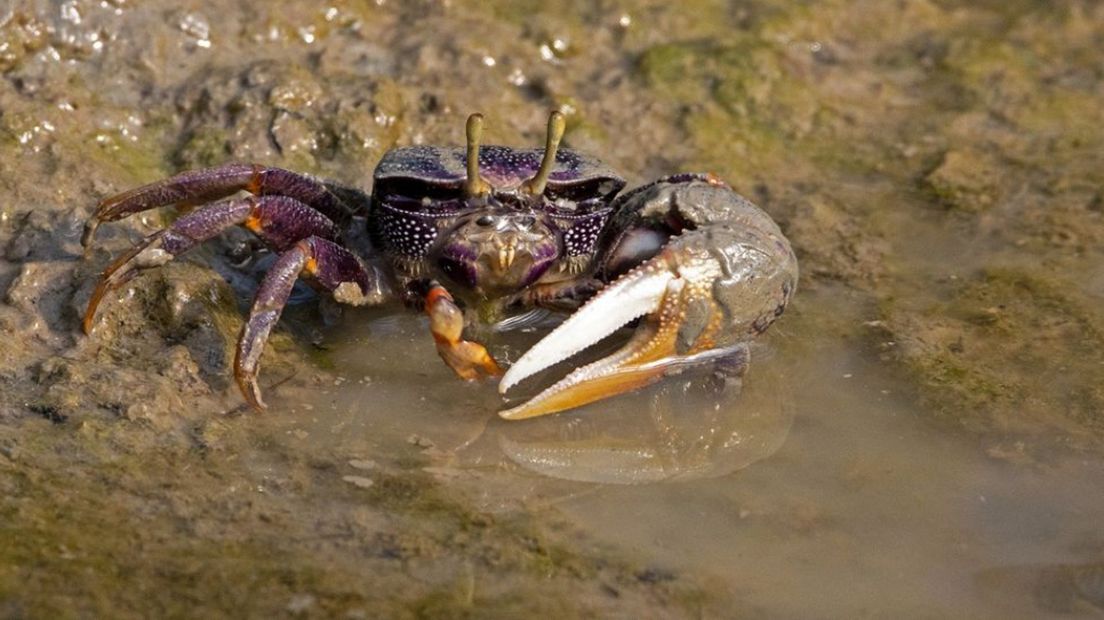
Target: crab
483,232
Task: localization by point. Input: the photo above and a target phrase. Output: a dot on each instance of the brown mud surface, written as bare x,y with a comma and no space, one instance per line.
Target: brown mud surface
938,166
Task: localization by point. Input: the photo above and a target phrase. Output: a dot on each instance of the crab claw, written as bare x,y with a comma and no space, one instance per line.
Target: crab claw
673,292
723,275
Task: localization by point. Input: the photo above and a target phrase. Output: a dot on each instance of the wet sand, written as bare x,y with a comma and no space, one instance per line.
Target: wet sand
920,435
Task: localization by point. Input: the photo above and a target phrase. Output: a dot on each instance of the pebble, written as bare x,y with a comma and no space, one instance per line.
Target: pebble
359,481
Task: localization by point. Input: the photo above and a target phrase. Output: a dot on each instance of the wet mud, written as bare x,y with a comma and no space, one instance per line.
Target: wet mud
937,165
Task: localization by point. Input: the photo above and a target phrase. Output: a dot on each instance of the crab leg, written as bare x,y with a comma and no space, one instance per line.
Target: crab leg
196,187
278,220
329,266
446,322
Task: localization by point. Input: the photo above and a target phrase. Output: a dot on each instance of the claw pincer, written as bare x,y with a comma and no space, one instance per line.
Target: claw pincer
723,276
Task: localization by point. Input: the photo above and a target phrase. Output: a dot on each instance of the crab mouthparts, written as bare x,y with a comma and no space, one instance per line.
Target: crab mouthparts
506,254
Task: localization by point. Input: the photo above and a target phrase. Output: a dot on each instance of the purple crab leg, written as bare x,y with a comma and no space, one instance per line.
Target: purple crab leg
330,267
278,220
196,187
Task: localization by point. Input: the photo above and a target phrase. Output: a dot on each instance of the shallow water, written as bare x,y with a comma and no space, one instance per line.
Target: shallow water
920,435
865,508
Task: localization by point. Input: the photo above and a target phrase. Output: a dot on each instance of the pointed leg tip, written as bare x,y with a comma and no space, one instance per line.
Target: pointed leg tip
88,321
250,391
256,403
88,235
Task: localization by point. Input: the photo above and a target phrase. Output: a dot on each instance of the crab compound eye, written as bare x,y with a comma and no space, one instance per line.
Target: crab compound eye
484,221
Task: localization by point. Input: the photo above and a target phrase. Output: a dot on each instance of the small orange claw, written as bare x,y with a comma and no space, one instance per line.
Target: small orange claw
446,321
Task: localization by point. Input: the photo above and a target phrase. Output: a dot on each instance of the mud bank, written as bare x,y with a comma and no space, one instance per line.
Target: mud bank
937,165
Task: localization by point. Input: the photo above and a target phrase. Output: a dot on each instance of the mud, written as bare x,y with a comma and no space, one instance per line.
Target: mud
937,166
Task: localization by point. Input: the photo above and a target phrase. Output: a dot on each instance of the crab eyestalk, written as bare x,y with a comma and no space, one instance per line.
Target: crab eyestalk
556,125
475,185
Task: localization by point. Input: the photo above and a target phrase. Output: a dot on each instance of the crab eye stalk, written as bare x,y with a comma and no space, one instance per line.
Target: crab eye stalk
556,124
475,186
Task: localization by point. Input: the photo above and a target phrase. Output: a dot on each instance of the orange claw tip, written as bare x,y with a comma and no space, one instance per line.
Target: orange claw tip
493,369
655,359
467,359
555,400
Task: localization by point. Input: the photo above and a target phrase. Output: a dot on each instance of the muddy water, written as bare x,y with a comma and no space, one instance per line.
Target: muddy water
863,509
919,436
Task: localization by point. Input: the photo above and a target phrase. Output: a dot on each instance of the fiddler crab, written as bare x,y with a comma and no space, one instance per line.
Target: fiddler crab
486,231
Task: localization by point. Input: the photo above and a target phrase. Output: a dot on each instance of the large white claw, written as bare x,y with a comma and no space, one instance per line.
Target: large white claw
631,296
662,291
722,278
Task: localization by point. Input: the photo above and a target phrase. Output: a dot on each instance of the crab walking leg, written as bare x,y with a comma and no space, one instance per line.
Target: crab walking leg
278,220
196,187
331,267
446,321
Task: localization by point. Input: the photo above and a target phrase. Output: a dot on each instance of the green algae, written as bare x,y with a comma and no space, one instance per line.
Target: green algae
966,180
21,34
739,105
985,356
204,147
751,96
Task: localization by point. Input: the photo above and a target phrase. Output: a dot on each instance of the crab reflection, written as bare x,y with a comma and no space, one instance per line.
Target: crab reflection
685,430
